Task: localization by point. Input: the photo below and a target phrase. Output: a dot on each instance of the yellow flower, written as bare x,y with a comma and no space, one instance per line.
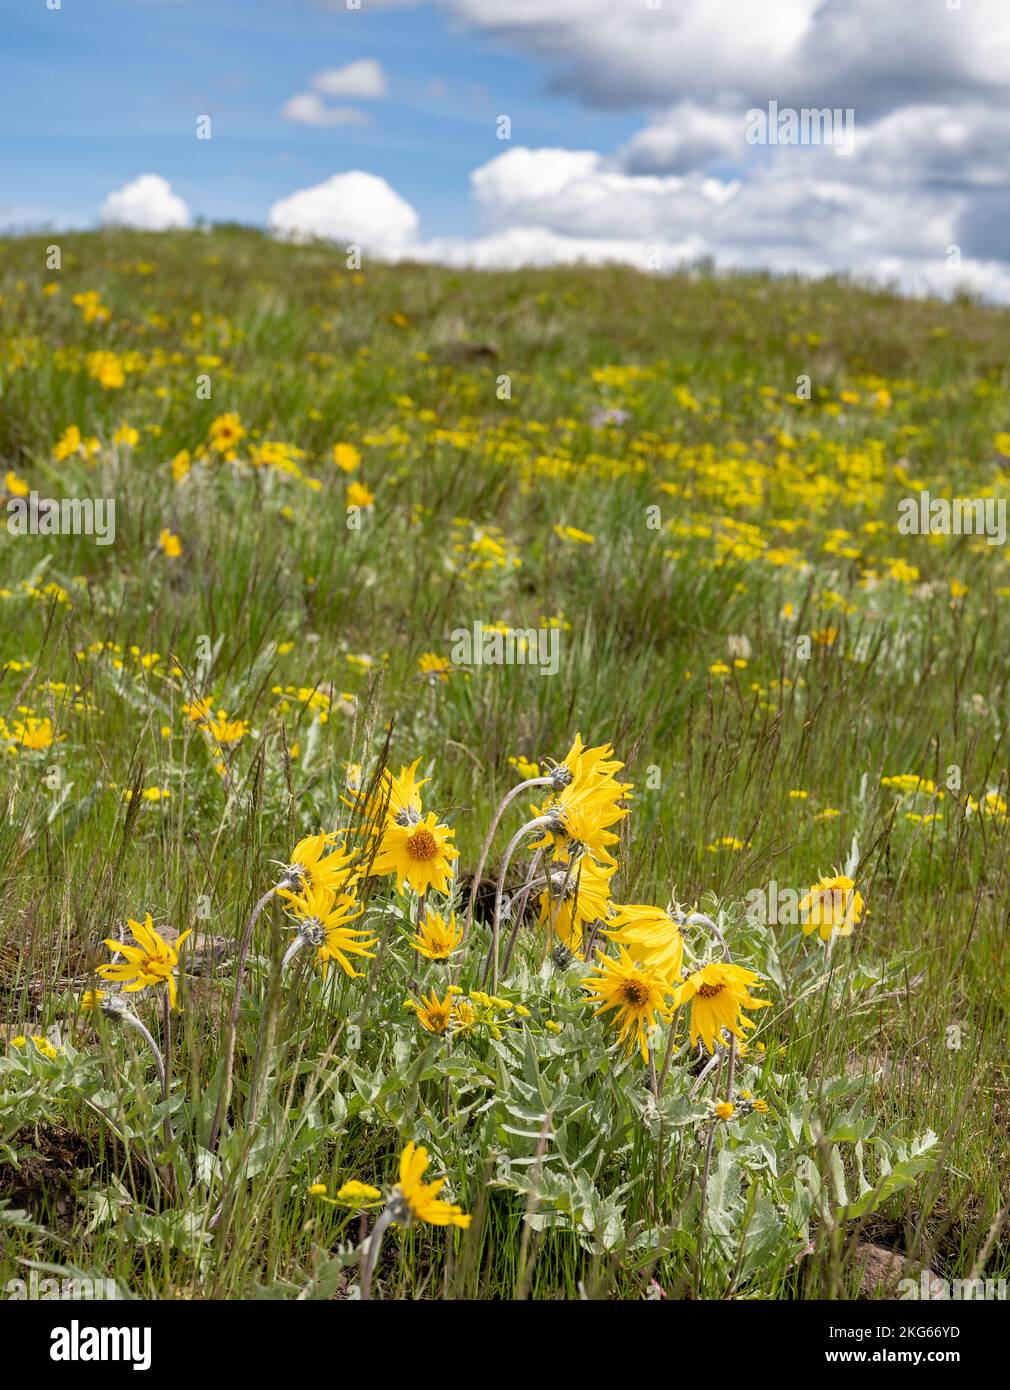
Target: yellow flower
328,914
651,936
31,733
358,495
151,962
15,486
68,443
225,432
833,904
421,1198
524,767
346,456
416,849
169,543
434,1014
572,533
181,465
92,999
718,992
436,667
311,867
724,1110
637,994
464,1016
437,939
587,805
358,1193
225,730
578,893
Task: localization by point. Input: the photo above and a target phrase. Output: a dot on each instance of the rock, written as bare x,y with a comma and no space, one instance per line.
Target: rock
881,1270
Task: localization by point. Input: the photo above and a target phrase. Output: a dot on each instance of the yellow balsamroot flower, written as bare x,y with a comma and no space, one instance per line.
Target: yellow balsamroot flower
436,939
725,1110
395,798
225,432
435,667
524,767
30,733
420,1198
314,865
324,915
434,1014
358,495
572,533
152,961
589,801
418,852
651,936
346,457
719,993
170,543
91,999
832,905
578,893
636,993
225,730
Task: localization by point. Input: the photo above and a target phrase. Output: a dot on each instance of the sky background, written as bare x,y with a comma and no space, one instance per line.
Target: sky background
628,128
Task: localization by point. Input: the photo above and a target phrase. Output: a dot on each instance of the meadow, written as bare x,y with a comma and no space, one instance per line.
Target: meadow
732,1010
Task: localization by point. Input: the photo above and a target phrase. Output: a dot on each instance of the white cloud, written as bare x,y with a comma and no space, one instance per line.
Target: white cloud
146,203
363,80
308,108
358,81
351,208
925,84
861,53
686,137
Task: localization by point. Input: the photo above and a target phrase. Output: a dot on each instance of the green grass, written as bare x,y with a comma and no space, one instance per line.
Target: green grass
777,520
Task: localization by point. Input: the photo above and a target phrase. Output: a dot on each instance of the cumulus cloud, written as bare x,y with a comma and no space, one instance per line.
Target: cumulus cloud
148,204
860,53
923,85
350,208
684,138
362,80
308,108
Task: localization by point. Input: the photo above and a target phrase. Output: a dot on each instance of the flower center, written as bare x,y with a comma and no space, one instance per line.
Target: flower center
636,992
422,845
709,991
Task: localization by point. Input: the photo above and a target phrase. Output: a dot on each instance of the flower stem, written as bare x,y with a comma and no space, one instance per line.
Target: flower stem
520,909
372,1253
505,802
236,1005
492,958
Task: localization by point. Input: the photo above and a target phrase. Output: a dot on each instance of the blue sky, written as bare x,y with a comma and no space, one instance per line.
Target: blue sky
628,139
101,91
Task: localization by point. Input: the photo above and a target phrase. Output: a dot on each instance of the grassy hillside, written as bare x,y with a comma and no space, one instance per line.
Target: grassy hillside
320,475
